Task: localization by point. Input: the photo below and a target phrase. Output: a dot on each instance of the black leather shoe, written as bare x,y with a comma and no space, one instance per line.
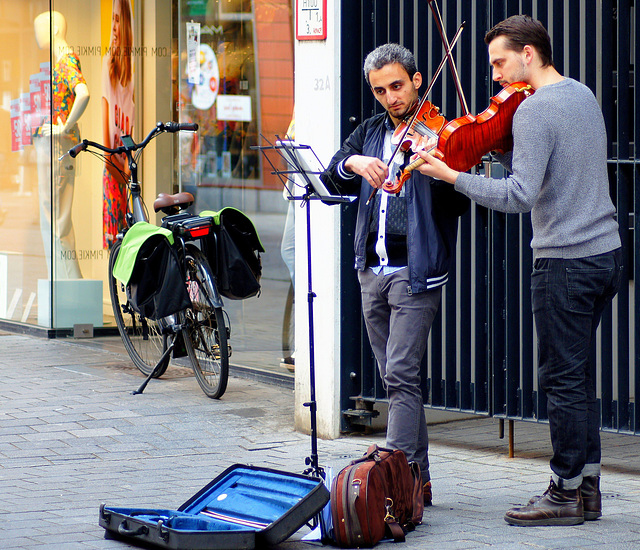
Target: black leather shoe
555,507
591,497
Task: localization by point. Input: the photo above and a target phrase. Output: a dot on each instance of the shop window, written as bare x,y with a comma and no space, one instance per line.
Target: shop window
233,69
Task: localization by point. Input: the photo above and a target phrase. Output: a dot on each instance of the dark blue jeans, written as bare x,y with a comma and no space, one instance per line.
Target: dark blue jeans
568,297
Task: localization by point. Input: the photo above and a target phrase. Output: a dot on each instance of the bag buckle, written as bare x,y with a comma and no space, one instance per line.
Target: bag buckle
388,506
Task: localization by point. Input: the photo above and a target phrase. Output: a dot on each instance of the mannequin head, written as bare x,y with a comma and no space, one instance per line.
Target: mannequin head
50,25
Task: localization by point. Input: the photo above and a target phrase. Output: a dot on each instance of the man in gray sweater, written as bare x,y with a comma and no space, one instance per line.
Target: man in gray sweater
559,173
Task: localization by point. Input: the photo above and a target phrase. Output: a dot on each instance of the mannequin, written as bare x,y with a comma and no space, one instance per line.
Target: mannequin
52,140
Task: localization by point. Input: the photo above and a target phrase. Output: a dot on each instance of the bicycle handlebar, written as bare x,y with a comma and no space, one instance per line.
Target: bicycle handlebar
82,146
161,127
177,126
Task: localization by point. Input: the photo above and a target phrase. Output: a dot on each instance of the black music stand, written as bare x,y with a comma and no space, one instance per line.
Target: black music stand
302,161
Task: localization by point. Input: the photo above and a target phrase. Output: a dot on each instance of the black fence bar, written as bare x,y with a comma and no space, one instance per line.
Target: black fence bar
634,424
481,355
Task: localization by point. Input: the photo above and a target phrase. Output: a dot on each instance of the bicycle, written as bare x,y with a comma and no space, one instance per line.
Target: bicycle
203,327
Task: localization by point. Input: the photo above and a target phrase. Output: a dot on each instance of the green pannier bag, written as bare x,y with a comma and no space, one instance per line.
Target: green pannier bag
149,267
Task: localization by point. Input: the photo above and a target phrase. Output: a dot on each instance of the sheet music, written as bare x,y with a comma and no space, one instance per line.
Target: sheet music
306,166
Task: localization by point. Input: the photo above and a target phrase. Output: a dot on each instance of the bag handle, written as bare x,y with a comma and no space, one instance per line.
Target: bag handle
373,453
123,529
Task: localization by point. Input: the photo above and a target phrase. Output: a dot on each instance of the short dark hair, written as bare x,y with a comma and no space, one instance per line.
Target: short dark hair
388,54
520,30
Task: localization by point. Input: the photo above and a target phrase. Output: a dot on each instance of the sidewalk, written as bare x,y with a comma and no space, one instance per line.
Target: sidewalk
73,436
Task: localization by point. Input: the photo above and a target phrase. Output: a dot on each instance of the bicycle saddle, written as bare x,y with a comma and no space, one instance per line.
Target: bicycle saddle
171,204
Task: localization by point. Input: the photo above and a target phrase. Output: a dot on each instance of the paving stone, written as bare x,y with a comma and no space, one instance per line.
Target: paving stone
72,436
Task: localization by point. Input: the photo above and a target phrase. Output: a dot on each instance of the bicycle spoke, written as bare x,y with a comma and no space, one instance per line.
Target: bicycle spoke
206,335
142,338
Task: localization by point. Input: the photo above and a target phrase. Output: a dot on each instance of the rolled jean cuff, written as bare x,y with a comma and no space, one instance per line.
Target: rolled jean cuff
590,470
567,484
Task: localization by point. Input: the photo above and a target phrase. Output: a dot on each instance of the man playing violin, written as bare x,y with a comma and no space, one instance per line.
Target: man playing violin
403,247
559,175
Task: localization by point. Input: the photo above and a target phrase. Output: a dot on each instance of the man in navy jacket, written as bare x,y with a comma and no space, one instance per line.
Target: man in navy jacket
404,244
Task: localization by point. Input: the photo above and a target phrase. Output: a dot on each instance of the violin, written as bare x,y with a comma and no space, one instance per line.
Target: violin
464,141
426,120
427,123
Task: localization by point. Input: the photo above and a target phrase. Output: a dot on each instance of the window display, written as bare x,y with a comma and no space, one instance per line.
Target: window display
52,263
101,72
235,79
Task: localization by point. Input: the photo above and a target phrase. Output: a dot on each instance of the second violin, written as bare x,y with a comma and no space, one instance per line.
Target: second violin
464,141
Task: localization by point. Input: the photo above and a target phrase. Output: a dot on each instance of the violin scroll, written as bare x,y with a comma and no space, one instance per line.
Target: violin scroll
396,185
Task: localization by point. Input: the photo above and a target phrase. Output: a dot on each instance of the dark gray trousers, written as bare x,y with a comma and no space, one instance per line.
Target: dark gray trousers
398,324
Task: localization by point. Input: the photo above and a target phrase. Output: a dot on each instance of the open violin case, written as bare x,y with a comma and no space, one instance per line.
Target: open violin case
244,507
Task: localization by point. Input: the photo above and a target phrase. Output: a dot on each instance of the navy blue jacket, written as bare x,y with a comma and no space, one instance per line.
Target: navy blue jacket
433,208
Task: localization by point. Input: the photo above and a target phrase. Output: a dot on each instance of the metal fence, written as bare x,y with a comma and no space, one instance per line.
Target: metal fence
481,355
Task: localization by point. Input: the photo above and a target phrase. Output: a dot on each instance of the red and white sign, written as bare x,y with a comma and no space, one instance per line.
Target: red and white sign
311,19
234,107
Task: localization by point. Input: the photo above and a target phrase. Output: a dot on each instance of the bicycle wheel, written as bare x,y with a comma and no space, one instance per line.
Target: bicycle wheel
206,333
142,338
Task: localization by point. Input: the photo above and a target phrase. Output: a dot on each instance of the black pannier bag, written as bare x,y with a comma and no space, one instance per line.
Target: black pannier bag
157,288
151,271
233,251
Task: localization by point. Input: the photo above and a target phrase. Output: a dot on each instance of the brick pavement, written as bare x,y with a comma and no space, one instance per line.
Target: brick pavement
73,436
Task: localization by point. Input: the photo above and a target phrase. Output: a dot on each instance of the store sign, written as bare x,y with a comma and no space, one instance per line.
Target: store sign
25,117
234,107
205,90
311,19
193,53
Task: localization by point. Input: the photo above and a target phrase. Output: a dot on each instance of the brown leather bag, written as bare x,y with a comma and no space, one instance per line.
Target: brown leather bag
379,495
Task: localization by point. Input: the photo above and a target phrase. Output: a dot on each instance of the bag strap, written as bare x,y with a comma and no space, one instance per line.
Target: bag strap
349,497
396,531
393,527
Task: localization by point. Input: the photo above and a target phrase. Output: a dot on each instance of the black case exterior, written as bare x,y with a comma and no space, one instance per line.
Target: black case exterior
244,507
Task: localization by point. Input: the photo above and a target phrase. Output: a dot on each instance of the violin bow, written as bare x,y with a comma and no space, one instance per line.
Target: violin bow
454,72
428,90
424,98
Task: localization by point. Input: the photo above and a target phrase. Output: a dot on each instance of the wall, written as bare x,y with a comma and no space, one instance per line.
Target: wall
317,101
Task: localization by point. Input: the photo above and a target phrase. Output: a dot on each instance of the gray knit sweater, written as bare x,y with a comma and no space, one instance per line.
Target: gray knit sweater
559,173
